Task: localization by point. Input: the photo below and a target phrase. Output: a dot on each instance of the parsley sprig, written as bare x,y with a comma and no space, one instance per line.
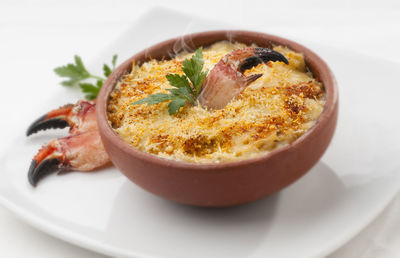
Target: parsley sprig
77,74
185,88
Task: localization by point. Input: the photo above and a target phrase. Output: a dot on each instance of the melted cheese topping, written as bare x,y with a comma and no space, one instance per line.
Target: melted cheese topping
271,112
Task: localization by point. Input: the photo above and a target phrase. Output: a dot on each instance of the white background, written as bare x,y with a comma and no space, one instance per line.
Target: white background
36,36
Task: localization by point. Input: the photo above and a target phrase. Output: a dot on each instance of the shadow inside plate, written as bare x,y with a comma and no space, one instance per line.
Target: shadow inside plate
238,230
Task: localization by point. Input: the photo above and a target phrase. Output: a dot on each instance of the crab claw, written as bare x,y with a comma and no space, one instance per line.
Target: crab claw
226,80
261,55
68,115
36,172
80,152
46,161
51,120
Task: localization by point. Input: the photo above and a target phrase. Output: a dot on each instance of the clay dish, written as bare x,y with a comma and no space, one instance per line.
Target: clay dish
220,184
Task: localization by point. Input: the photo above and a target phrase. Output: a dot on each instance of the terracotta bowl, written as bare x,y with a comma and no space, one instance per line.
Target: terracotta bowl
223,184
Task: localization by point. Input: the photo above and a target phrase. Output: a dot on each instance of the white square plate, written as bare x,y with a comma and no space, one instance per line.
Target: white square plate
105,212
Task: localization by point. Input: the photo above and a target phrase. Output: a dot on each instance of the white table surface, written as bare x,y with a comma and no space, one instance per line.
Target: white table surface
36,36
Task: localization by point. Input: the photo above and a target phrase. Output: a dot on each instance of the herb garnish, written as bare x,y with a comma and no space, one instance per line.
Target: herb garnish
78,75
182,90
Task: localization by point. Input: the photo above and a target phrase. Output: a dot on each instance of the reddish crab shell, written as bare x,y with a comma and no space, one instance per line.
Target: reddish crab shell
82,150
226,80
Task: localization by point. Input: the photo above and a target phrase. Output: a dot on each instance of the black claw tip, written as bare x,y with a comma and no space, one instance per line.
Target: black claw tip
42,124
31,172
262,55
46,167
252,78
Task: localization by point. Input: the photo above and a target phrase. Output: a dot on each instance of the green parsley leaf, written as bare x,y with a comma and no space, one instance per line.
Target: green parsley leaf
90,90
70,82
185,88
106,70
192,68
154,99
80,67
175,104
183,92
178,81
114,61
77,74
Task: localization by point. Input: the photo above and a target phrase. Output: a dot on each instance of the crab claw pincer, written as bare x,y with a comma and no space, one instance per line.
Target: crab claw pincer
226,80
79,117
82,150
51,120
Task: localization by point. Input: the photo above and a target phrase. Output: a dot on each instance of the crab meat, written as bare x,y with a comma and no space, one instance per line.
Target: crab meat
226,80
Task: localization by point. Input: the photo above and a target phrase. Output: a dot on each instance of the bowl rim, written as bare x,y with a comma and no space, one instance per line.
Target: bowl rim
330,86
